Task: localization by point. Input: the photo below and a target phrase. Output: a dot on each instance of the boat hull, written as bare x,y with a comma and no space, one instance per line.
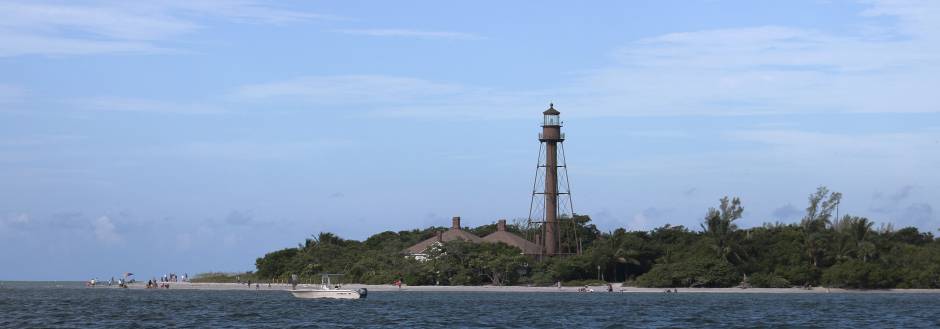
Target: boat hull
331,294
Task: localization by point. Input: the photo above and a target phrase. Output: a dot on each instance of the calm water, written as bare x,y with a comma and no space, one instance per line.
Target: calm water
71,305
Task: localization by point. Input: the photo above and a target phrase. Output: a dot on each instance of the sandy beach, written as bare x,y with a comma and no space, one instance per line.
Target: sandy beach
525,289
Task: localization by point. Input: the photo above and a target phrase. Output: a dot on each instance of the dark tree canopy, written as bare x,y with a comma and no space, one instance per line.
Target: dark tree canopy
819,250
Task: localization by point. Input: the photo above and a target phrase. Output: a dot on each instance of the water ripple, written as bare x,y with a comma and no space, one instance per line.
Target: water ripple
68,306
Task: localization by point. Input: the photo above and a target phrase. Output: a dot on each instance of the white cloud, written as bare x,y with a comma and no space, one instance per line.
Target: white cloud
50,28
125,104
13,221
245,150
106,231
639,222
350,88
823,157
393,96
11,94
871,146
243,10
774,69
100,20
918,17
17,44
20,218
835,158
38,140
734,71
409,33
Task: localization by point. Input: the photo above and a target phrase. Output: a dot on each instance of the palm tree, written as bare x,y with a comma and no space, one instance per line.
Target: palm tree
861,228
616,249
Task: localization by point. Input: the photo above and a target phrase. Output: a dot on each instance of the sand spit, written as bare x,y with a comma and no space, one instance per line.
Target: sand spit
574,289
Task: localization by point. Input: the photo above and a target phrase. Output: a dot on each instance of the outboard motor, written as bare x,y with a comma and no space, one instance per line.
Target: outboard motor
363,292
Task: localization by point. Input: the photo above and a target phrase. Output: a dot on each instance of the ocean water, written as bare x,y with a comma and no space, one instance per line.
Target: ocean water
70,305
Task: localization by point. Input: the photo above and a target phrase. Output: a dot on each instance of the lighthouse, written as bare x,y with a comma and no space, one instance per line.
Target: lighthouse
550,208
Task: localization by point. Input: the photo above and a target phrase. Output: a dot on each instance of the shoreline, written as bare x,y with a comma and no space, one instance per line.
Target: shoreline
527,289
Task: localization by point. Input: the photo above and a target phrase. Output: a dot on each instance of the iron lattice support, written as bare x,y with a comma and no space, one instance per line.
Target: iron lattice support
551,215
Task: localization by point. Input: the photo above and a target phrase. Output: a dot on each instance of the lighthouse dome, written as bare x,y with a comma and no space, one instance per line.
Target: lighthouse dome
551,110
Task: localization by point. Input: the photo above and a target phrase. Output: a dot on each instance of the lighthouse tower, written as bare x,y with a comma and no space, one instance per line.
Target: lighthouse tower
550,211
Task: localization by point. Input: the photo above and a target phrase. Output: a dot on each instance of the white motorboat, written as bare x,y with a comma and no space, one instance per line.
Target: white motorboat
328,290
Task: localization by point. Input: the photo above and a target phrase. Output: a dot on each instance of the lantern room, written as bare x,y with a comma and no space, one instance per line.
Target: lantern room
551,116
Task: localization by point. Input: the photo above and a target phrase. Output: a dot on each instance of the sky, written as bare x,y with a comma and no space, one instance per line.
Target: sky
193,136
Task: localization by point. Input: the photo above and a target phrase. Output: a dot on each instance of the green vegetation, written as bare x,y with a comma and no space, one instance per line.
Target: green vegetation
844,252
223,277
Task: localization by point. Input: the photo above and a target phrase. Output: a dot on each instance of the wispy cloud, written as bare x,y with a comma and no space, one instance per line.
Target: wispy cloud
409,33
105,231
775,69
54,28
236,217
891,202
349,89
884,146
649,218
11,94
124,104
16,44
736,71
244,10
245,150
38,140
918,214
394,96
838,157
785,152
786,212
14,221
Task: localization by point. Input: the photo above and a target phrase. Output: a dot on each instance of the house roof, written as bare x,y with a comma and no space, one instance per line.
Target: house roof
501,235
445,236
456,233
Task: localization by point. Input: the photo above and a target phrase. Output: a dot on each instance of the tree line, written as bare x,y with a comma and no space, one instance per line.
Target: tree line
819,250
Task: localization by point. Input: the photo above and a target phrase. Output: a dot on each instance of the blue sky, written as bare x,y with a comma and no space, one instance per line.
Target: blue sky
189,136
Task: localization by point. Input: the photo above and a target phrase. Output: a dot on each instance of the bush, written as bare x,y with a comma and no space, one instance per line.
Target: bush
220,277
541,278
926,277
768,280
576,283
690,273
799,275
859,275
